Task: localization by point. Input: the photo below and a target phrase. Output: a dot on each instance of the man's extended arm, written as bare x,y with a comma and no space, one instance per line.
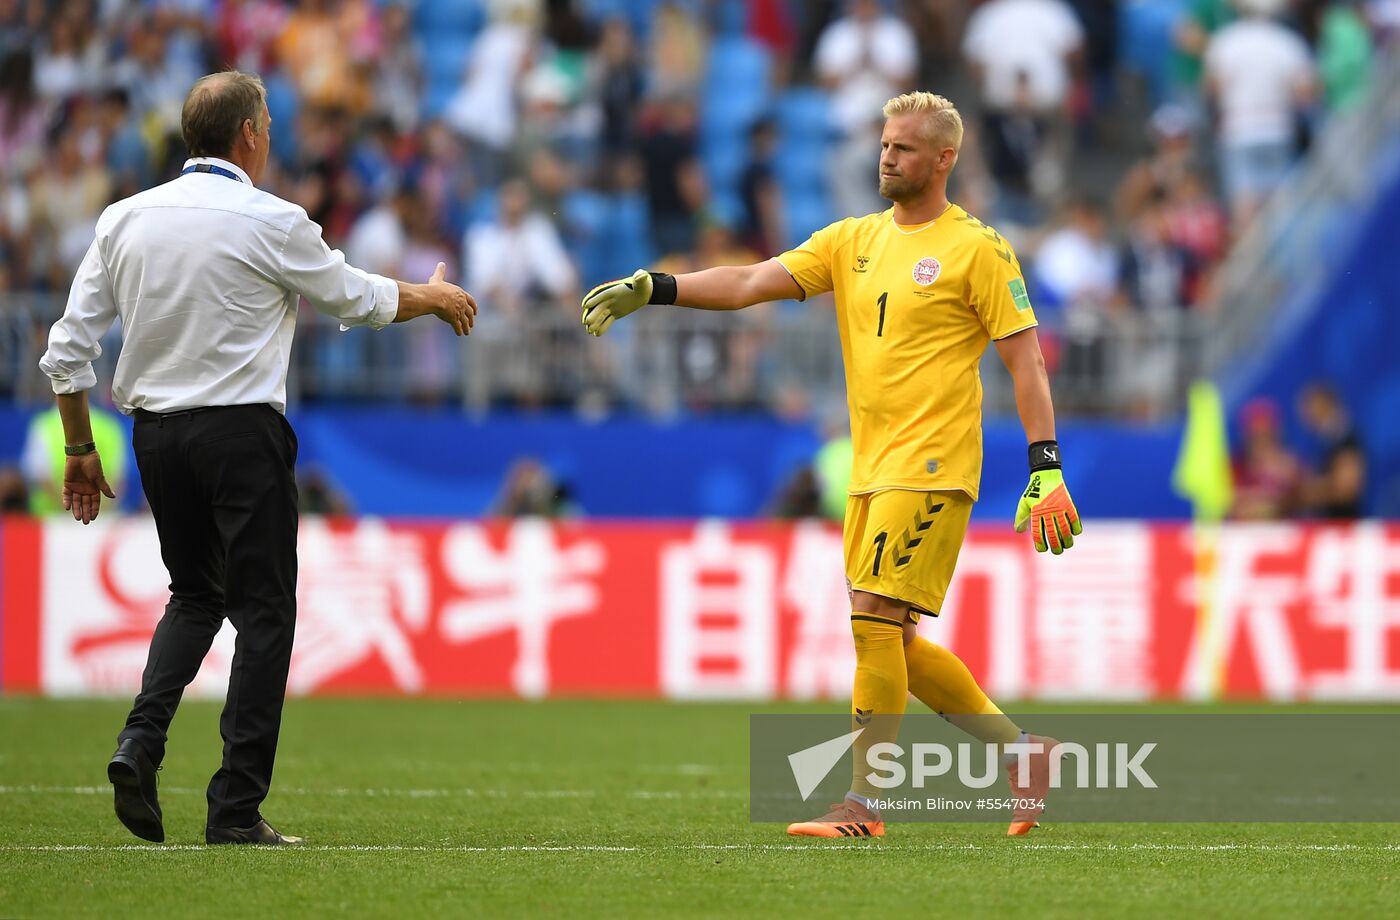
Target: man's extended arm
727,287
1045,506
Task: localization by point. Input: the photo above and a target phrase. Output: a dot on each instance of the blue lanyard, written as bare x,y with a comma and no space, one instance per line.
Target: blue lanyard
211,168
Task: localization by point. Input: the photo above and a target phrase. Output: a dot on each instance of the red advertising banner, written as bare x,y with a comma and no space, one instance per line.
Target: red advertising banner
712,609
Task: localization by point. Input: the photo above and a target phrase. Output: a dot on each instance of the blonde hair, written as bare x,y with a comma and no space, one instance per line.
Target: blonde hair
943,124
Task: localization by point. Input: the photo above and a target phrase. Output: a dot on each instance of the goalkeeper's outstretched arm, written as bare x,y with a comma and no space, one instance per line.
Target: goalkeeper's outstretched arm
733,287
728,287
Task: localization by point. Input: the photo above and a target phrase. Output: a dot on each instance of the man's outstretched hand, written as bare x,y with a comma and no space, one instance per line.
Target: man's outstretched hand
452,305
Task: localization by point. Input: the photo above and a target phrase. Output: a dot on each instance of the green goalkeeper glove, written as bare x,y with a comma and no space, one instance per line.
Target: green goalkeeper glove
1046,507
612,300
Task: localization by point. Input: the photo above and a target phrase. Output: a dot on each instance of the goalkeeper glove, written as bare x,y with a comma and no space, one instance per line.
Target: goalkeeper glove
1046,506
612,300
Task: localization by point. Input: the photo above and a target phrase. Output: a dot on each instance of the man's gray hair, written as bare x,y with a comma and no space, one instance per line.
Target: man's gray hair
216,108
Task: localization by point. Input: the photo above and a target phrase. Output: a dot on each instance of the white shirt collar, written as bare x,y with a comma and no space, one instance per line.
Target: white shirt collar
218,161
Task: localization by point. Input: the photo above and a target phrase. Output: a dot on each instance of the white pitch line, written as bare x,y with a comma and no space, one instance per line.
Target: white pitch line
863,847
407,793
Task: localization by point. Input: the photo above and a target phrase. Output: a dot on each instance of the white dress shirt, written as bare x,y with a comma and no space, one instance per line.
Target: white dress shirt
205,273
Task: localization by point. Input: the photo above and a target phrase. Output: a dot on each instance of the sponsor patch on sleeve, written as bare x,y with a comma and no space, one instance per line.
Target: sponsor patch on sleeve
1018,294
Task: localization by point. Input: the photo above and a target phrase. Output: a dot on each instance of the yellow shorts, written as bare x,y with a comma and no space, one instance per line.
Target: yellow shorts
904,544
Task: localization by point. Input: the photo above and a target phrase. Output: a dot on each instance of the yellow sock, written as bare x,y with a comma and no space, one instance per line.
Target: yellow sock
944,684
881,689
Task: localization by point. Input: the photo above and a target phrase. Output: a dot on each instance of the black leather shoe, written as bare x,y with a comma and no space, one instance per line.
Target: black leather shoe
261,833
133,779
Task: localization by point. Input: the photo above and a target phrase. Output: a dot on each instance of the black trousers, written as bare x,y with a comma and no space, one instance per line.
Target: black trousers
220,484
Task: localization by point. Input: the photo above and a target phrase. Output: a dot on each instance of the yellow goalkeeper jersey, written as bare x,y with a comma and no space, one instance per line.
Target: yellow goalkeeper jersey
916,307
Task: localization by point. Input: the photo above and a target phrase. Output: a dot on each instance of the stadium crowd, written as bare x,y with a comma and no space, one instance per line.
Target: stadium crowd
541,146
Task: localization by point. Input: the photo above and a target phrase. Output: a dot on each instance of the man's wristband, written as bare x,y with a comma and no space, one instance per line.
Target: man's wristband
663,288
77,450
1044,455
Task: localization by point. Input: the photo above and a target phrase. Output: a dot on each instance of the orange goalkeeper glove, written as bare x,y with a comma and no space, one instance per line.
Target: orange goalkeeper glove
1045,506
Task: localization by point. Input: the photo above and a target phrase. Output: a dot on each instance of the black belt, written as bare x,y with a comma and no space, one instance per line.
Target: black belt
144,415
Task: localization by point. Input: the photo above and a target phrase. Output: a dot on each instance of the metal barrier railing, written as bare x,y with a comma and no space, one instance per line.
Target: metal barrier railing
779,358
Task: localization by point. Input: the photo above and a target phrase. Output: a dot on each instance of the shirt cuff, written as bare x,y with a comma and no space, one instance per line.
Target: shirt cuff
84,379
386,302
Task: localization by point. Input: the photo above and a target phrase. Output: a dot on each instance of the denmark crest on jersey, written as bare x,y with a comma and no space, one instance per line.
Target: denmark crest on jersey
926,271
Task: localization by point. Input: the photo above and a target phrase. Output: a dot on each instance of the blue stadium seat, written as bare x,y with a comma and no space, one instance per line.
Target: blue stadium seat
445,58
803,164
455,17
1146,29
803,114
736,82
805,213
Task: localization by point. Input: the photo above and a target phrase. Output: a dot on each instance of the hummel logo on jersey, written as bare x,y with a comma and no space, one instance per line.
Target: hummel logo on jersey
863,716
861,263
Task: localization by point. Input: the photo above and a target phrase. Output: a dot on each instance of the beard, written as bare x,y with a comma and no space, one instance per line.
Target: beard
901,188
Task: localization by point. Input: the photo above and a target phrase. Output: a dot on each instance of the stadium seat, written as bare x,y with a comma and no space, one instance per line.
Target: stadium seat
454,17
445,58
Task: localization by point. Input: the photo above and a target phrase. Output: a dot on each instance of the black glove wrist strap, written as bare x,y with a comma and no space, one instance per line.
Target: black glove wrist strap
1044,455
663,288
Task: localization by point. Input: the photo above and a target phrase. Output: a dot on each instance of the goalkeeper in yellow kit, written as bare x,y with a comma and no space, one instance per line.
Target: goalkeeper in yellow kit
920,289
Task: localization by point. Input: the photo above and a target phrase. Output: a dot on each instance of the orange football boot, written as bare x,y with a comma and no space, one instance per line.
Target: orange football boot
846,819
1025,814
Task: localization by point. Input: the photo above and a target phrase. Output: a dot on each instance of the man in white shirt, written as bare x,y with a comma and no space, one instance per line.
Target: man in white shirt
863,58
205,273
1261,73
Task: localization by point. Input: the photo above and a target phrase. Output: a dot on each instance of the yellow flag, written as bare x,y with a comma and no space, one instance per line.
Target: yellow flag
1202,474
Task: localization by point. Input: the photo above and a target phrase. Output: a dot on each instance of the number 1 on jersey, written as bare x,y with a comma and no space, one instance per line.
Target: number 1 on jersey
884,298
879,551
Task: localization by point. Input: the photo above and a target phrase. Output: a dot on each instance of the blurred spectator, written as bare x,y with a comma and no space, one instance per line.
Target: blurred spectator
1344,48
517,259
1197,222
1173,158
863,58
1337,490
677,48
1199,21
716,364
14,495
43,459
317,494
763,229
128,160
68,196
398,80
155,80
530,490
247,31
321,47
484,110
69,59
1157,273
1076,271
431,366
1261,74
1267,477
615,87
1076,263
1023,54
21,115
674,182
799,499
833,465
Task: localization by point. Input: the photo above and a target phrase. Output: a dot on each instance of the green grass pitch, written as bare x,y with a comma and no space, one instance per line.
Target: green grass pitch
576,808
